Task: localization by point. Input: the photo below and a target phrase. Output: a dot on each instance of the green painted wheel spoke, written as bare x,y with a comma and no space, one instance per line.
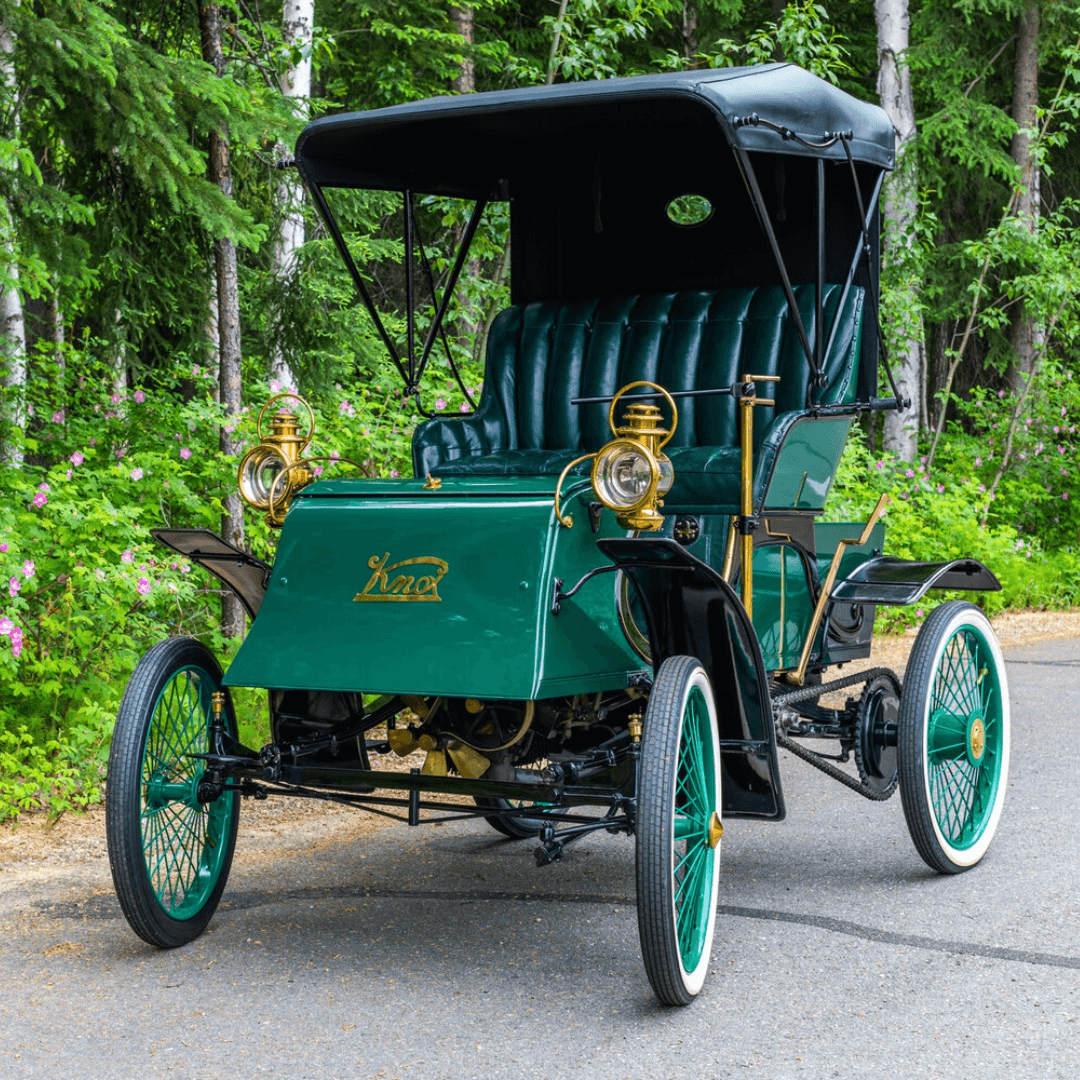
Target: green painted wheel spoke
691,803
692,850
694,859
164,838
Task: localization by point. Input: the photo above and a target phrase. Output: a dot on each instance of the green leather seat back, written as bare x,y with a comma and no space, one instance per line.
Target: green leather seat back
542,355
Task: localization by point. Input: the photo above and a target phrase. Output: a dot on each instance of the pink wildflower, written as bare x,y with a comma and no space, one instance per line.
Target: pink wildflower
909,473
115,399
185,453
1065,495
127,556
40,499
334,454
58,417
99,574
16,641
978,462
195,372
464,407
440,404
143,586
941,489
14,587
1061,449
136,474
879,465
3,548
394,473
140,397
275,386
1001,394
317,470
6,626
28,569
919,613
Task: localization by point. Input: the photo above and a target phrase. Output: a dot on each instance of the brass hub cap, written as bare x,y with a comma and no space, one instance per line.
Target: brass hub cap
716,830
977,739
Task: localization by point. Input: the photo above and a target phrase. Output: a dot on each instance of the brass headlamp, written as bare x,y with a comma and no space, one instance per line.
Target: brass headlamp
631,474
273,471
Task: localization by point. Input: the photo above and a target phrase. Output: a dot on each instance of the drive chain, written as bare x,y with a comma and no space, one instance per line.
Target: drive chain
829,769
807,693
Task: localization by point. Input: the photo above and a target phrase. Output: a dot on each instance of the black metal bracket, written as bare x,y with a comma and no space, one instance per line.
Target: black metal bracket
552,841
557,594
829,138
745,525
596,510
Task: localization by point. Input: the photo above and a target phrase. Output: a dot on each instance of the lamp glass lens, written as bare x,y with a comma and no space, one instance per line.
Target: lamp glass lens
667,474
260,472
623,476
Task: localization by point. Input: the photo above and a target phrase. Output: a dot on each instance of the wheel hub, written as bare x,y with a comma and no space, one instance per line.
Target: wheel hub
160,790
976,740
716,830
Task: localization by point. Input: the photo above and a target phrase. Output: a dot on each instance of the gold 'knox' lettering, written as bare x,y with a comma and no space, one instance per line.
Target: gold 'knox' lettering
386,586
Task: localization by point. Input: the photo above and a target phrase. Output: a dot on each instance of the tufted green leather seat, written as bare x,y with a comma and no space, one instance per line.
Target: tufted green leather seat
540,355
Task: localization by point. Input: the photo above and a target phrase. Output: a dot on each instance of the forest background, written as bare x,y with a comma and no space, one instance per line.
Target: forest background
160,277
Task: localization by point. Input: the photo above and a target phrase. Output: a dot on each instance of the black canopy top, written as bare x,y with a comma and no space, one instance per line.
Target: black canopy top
467,144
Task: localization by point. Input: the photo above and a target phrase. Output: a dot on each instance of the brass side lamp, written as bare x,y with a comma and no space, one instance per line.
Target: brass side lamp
273,471
631,474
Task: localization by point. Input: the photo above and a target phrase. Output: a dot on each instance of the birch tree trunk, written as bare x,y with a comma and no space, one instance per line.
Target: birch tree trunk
1025,335
228,307
298,19
467,322
12,319
689,31
900,207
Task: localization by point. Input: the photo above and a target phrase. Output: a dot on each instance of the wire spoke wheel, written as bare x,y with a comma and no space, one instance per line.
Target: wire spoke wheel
678,830
169,853
954,738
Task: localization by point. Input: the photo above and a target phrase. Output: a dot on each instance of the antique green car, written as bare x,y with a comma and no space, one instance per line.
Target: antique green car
606,598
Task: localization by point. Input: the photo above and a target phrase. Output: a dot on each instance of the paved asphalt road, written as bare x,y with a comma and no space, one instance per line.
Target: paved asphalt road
445,953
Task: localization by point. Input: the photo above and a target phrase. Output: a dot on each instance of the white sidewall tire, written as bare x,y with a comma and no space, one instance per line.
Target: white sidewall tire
959,615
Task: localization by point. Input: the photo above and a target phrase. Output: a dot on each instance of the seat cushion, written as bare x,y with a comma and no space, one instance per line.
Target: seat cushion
542,355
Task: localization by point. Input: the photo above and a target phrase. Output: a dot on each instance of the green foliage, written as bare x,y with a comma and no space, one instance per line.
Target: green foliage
1026,529
803,34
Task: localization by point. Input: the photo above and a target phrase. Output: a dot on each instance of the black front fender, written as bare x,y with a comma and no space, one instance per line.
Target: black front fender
886,580
691,611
